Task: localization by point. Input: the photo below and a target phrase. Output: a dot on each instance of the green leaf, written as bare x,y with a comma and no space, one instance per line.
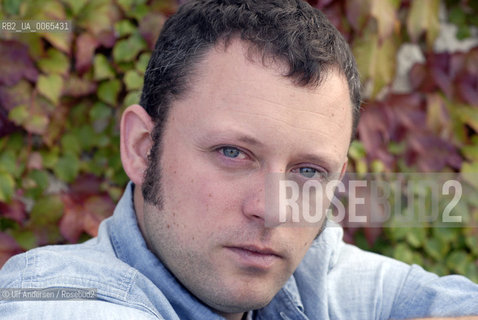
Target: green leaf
139,12
423,17
37,123
40,177
403,253
108,91
10,164
131,98
50,157
11,7
50,86
25,238
436,248
98,16
55,62
384,11
126,50
103,69
46,210
142,62
67,168
7,186
124,28
133,80
446,235
416,237
70,144
469,172
376,61
458,261
100,111
472,243
60,40
19,114
86,135
76,5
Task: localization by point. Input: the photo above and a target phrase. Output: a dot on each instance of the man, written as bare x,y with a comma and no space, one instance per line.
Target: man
236,92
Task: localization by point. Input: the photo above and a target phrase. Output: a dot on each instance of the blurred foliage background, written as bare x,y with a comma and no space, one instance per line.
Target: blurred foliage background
62,94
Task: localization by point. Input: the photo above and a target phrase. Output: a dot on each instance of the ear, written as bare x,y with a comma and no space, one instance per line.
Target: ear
136,142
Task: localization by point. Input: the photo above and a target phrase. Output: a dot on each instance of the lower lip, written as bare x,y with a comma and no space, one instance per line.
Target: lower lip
254,259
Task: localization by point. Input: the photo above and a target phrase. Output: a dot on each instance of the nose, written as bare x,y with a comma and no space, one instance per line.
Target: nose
253,206
261,199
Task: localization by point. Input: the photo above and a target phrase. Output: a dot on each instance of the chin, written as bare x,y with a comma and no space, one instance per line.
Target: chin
248,299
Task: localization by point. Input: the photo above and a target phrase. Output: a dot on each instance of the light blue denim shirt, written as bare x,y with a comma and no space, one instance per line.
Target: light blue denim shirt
334,281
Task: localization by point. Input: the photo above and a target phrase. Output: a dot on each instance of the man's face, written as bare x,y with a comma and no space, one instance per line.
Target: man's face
239,123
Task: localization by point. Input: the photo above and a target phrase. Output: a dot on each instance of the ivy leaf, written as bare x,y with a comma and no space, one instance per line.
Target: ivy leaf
435,248
79,87
133,80
423,17
375,61
25,238
102,67
126,50
7,186
60,40
11,7
86,45
131,98
142,62
124,28
469,173
98,16
100,111
46,210
37,123
458,260
19,115
67,168
19,94
384,12
55,62
403,253
76,5
108,91
50,86
8,247
16,63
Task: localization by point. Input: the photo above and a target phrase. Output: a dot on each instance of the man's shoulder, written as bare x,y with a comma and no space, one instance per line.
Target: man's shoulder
87,265
74,264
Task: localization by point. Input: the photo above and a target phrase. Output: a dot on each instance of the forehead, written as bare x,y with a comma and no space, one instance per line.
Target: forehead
232,89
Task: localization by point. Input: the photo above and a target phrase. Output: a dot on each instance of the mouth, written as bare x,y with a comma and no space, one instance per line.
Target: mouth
253,256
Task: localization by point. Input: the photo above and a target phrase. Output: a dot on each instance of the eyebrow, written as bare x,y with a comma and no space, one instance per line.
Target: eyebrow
249,140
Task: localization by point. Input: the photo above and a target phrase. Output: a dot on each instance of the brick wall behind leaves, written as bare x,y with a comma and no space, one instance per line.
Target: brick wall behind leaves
61,95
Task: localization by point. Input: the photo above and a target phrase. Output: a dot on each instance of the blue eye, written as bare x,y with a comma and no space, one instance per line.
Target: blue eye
230,152
312,173
308,172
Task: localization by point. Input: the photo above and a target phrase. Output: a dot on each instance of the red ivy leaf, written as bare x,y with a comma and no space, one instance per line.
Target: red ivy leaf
85,48
14,210
8,248
85,207
16,63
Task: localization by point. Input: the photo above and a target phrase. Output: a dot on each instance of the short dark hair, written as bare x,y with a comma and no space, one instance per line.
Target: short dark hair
287,31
